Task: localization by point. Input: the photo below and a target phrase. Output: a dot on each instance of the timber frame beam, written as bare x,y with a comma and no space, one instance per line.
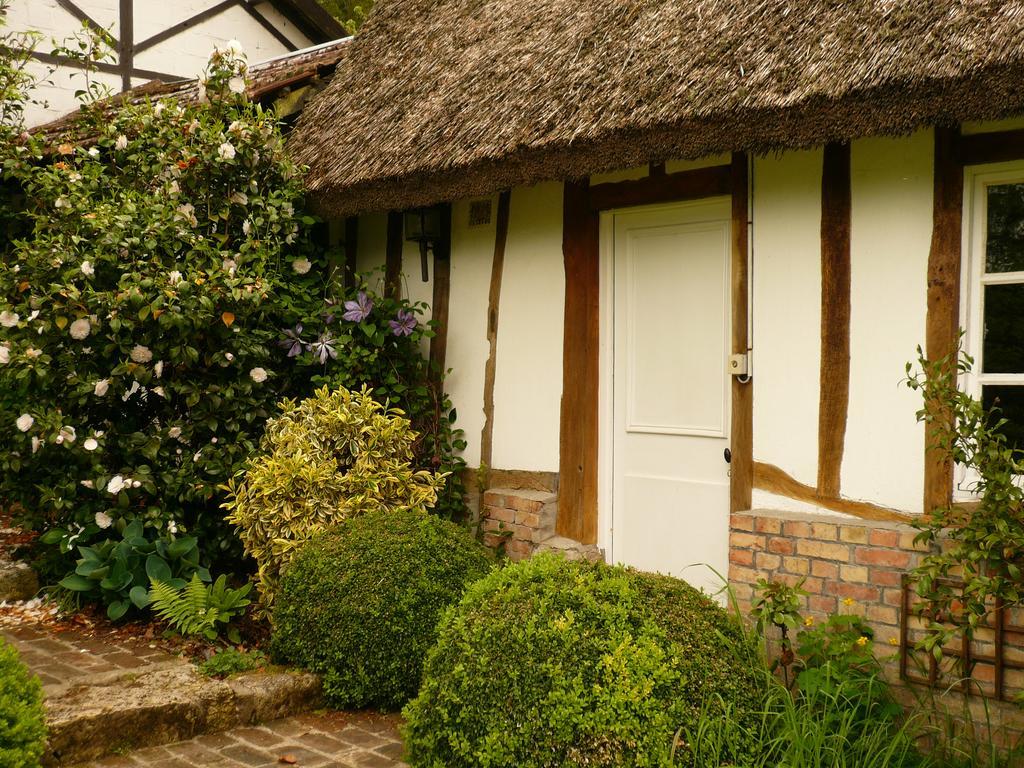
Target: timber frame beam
579,430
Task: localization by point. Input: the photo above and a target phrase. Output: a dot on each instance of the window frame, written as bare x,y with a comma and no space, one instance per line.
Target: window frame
977,179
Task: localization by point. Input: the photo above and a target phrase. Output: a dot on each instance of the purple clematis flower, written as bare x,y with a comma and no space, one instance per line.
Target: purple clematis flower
404,324
358,310
292,341
323,347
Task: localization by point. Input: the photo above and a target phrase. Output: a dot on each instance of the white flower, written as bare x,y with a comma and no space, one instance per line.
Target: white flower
121,142
158,369
36,444
235,127
67,434
226,151
174,432
103,520
302,266
117,484
87,269
229,266
158,108
140,354
172,527
33,315
236,84
25,422
234,47
136,483
9,319
80,328
60,202
90,444
239,197
202,93
101,387
32,352
259,375
94,152
246,227
229,356
85,483
5,354
197,455
159,391
175,277
213,440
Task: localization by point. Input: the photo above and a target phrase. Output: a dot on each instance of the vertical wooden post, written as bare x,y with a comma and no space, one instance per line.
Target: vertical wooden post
442,284
493,302
834,394
942,324
351,251
742,437
393,256
126,43
578,448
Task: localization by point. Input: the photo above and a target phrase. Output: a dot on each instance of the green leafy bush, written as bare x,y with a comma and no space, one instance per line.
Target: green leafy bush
231,661
200,609
550,662
22,719
118,572
360,603
333,456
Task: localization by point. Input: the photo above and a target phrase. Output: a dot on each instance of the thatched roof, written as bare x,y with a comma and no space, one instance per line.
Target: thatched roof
441,99
266,82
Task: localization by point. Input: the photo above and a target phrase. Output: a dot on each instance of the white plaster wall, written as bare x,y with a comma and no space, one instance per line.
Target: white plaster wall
786,287
891,226
528,387
183,55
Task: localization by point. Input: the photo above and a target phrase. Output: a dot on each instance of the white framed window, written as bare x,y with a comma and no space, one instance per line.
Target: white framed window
993,293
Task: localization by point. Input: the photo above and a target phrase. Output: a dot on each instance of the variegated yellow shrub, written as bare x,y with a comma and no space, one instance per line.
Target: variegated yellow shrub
333,456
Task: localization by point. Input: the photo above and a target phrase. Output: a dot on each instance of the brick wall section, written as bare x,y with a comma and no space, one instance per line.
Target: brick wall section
517,520
839,559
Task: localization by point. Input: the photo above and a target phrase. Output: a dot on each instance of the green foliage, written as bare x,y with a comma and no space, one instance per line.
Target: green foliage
118,572
360,604
200,609
549,662
982,546
819,730
777,605
22,719
351,13
333,456
231,661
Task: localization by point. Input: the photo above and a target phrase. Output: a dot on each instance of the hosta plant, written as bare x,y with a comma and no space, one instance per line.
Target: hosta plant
327,458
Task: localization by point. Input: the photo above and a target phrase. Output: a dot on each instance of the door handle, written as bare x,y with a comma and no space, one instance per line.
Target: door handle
728,456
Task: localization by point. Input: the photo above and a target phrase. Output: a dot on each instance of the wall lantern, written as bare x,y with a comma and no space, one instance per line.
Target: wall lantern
423,226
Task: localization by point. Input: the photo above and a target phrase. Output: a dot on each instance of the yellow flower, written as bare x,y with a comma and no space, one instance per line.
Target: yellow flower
809,621
893,641
862,641
848,601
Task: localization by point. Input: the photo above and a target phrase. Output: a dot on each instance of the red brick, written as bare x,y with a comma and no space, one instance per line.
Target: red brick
741,556
492,526
499,513
746,541
883,577
768,562
520,504
838,552
796,529
907,542
884,538
493,540
891,558
824,531
741,522
892,597
492,499
743,575
822,603
824,569
883,614
768,525
858,592
529,519
780,546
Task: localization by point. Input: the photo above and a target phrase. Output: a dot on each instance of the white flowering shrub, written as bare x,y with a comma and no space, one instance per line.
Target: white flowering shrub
141,314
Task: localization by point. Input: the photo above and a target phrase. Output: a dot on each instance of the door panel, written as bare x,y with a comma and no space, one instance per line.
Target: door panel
670,389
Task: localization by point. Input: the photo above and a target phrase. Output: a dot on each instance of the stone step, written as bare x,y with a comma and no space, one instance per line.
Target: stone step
17,581
156,704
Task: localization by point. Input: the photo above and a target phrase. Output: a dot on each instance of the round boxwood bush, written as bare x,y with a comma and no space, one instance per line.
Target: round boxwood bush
360,603
22,724
554,663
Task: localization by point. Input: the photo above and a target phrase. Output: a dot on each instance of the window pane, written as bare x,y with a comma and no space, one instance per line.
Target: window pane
1004,329
1010,401
1005,250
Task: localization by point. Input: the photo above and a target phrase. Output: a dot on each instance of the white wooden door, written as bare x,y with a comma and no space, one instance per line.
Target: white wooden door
670,388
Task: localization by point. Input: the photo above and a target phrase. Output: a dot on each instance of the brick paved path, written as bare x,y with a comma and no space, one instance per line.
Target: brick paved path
63,657
335,739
